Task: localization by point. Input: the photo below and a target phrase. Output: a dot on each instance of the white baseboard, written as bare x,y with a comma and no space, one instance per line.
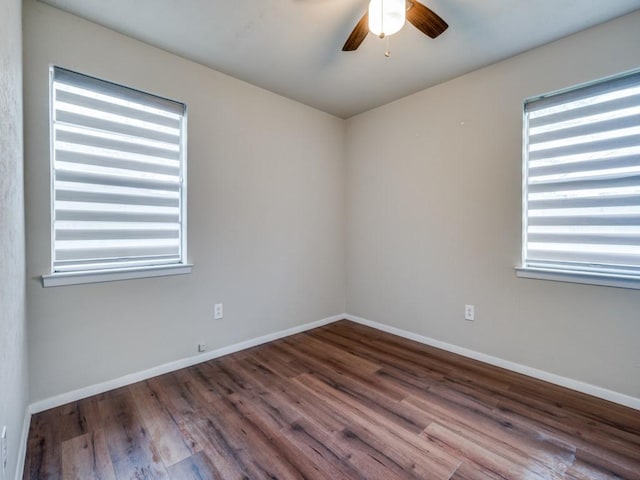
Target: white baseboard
22,449
96,389
81,393
570,383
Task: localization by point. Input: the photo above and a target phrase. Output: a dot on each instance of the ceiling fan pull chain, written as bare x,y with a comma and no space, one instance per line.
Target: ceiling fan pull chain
387,52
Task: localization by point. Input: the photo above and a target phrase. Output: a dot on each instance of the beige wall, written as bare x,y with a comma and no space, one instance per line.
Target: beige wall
434,219
431,190
13,352
266,216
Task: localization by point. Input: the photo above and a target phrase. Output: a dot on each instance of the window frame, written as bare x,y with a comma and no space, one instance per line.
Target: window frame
588,276
81,276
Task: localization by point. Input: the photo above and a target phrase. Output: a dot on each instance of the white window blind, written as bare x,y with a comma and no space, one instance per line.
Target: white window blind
118,176
582,179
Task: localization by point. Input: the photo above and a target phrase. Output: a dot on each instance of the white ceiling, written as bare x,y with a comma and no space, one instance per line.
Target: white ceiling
293,47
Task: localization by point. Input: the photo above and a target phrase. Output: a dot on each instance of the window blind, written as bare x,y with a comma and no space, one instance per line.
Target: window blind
582,179
118,175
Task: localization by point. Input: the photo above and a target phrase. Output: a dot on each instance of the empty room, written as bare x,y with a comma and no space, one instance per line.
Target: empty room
319,239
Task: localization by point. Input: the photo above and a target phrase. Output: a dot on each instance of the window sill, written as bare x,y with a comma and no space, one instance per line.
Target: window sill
96,276
620,281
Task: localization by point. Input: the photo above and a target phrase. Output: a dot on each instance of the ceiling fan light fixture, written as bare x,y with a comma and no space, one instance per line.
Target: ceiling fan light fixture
386,17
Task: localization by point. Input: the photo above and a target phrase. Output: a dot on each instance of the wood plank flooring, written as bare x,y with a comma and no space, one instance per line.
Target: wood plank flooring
339,402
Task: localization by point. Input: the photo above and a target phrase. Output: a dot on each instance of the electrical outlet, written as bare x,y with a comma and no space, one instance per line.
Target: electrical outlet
3,453
469,312
217,311
202,347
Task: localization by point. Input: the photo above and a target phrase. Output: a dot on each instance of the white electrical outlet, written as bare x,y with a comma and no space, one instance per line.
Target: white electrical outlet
469,312
202,347
217,311
3,450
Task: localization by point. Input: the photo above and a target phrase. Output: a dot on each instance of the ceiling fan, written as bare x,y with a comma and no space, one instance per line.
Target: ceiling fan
386,17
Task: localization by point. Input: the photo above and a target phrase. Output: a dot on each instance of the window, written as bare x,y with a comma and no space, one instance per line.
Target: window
582,184
118,181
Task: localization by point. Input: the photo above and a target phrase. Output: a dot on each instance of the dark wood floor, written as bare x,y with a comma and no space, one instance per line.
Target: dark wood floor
340,402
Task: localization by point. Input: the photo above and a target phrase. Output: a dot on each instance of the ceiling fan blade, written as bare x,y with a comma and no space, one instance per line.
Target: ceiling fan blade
425,19
358,35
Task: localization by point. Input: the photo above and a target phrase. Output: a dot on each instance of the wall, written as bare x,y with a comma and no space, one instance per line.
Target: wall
13,352
434,219
265,216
